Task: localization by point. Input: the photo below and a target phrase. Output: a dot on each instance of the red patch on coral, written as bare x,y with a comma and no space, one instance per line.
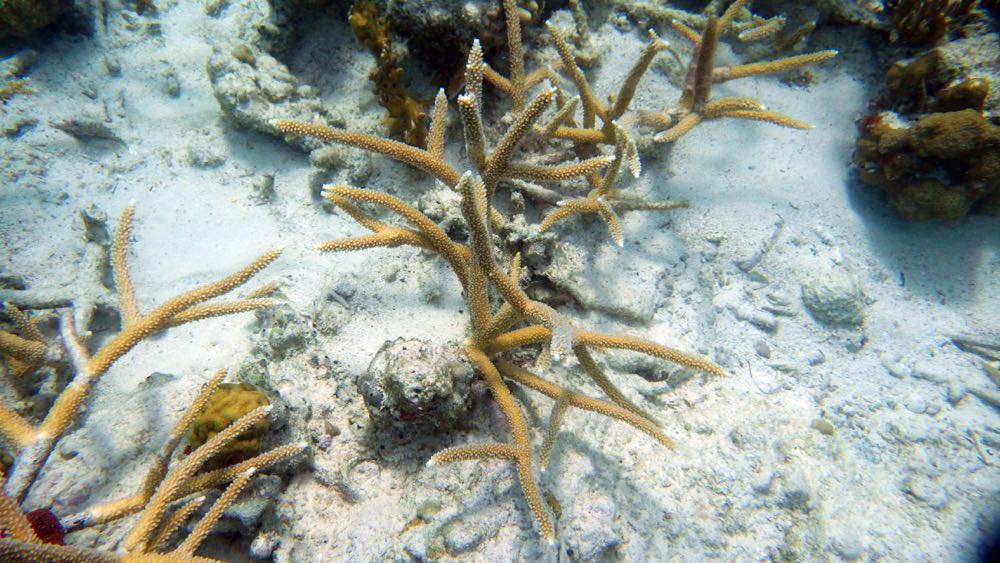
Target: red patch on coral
408,416
46,526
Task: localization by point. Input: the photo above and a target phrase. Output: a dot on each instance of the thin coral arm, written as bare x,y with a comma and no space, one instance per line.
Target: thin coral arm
388,237
473,202
567,171
475,141
112,510
159,317
598,376
507,452
418,158
768,67
437,238
535,334
497,80
730,14
16,550
13,522
567,208
556,416
439,118
698,82
209,310
600,340
14,430
470,106
203,481
496,165
25,324
579,135
205,525
591,106
174,523
681,128
532,381
610,218
170,487
356,213
28,351
765,29
714,107
515,52
565,113
519,433
767,116
627,91
685,31
119,266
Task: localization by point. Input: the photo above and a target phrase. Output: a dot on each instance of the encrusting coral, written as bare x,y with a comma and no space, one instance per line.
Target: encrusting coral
31,445
406,115
517,320
931,142
229,403
939,168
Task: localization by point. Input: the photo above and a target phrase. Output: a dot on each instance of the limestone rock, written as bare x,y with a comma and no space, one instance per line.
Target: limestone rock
834,296
417,383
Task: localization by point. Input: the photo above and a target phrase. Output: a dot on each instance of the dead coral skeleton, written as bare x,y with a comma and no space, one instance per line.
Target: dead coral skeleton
31,445
517,321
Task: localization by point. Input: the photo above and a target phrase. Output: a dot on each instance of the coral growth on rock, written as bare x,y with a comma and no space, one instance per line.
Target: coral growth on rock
931,144
939,168
21,18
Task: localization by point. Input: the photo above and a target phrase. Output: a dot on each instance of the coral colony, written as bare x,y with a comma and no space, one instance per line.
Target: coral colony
503,317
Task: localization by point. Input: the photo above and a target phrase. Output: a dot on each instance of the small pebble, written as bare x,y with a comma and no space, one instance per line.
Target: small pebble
927,491
762,349
956,392
823,426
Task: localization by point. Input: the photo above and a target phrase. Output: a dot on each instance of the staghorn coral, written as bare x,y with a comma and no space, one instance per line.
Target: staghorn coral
585,139
695,104
168,498
503,317
32,445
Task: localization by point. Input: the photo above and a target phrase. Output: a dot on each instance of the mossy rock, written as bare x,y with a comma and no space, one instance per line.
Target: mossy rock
940,168
21,18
